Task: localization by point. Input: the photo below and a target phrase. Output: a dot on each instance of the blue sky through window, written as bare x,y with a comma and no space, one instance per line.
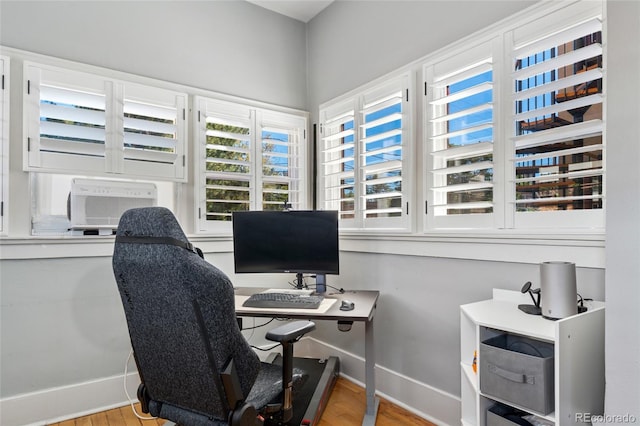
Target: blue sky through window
474,119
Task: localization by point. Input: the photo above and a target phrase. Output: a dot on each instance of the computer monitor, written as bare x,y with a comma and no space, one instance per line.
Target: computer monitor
290,241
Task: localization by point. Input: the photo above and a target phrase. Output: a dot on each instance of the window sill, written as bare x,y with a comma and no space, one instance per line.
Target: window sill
585,249
51,247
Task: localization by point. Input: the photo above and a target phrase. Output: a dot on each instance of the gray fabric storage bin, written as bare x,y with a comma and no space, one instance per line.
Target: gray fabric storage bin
518,370
503,415
495,420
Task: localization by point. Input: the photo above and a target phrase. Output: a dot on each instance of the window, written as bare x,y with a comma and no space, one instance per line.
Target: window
364,157
460,115
4,143
558,153
52,213
81,122
249,159
514,127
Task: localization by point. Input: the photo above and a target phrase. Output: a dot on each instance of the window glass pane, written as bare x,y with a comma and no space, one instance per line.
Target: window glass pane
53,210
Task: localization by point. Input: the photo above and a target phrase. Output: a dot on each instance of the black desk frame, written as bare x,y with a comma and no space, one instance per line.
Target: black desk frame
364,311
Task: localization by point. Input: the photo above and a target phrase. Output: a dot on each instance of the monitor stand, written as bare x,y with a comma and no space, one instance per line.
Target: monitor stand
299,281
321,283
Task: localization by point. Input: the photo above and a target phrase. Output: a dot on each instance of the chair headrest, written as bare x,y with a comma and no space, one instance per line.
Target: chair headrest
150,222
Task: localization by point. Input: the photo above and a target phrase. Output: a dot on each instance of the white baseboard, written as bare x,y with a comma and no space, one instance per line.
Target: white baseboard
419,398
67,402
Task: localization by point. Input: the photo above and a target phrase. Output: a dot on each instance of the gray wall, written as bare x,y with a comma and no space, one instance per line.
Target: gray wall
622,330
230,47
61,324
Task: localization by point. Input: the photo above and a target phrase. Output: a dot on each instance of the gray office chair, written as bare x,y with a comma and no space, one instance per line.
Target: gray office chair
195,366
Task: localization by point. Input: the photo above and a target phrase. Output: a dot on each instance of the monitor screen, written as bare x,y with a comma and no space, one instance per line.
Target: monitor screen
298,241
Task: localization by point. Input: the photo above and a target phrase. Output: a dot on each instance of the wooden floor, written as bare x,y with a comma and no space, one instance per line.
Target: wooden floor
345,408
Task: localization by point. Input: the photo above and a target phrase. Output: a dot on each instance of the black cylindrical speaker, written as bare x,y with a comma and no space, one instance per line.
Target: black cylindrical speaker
558,289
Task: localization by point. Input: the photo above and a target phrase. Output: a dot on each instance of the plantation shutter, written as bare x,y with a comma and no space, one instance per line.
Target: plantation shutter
282,141
364,156
154,131
559,147
228,143
460,139
337,162
250,159
66,120
84,123
4,142
383,139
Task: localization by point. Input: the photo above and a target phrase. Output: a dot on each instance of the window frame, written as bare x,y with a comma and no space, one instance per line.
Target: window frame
256,118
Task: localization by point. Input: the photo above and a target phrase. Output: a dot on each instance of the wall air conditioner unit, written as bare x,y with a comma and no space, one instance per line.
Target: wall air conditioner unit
95,206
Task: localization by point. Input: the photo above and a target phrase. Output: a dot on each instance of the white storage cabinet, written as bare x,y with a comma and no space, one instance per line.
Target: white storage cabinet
578,356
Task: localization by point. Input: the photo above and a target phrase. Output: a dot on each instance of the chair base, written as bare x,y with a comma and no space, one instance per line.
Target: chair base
310,396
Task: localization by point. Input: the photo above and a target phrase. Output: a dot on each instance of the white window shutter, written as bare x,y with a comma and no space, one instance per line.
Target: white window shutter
226,152
384,150
558,155
460,131
65,119
337,162
282,174
249,158
78,122
154,127
365,155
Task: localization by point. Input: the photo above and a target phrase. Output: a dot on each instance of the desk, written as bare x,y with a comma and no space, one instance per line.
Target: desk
364,311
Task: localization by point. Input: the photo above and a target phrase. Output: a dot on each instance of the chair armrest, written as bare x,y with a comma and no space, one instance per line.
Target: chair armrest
291,331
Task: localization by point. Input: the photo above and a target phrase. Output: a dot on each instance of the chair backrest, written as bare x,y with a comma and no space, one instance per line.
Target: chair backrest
158,283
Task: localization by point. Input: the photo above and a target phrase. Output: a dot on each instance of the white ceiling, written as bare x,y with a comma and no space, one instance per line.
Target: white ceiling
302,10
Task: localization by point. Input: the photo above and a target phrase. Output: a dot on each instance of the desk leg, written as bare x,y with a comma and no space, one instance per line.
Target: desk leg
370,377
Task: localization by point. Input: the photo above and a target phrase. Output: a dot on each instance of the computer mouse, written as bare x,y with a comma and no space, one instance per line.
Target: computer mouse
347,305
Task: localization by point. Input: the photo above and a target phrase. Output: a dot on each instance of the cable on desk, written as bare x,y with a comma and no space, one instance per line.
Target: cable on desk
258,326
267,349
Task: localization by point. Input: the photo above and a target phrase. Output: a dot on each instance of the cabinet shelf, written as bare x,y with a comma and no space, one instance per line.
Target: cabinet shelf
578,343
